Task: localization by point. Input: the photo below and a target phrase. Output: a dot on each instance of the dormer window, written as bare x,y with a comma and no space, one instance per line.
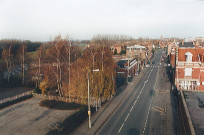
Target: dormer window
188,57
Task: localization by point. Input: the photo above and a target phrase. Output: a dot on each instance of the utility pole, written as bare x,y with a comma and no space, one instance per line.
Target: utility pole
128,67
89,108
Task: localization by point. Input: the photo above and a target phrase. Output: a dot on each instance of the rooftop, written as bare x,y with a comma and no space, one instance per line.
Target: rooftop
186,45
136,46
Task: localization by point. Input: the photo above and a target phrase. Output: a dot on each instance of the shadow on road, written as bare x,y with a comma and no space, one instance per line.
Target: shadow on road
133,131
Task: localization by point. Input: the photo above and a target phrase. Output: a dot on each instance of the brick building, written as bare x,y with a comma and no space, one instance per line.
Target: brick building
117,47
136,51
189,71
126,69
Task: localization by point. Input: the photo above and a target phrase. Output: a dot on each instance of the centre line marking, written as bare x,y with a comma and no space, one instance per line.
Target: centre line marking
127,116
121,128
135,102
131,108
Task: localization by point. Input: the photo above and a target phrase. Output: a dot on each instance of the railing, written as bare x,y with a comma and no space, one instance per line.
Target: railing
15,97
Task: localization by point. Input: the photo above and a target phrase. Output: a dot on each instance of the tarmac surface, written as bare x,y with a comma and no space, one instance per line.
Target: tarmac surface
28,118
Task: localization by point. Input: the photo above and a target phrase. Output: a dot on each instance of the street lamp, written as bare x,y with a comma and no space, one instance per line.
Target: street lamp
89,107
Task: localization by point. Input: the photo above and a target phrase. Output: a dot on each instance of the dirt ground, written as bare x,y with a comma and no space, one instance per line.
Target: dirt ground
197,113
28,118
10,92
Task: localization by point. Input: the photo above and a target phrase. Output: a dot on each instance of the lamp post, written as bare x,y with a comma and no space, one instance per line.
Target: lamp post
89,107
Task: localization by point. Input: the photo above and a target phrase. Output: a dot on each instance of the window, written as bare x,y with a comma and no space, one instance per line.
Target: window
188,57
188,71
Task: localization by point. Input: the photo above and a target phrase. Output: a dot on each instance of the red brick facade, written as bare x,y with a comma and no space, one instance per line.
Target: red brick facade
189,75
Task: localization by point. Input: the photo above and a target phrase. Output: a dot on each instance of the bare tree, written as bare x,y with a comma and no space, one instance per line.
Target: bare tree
7,57
22,54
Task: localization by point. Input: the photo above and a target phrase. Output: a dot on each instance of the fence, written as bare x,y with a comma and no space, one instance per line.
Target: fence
15,97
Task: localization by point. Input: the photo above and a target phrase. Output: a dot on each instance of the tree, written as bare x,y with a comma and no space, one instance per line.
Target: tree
22,55
44,86
7,58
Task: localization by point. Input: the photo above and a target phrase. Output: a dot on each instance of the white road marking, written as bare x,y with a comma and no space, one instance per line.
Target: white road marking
127,116
131,108
121,128
135,102
149,107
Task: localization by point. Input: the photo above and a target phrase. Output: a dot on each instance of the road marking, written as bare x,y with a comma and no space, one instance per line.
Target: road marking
143,132
157,110
135,102
127,116
120,128
131,108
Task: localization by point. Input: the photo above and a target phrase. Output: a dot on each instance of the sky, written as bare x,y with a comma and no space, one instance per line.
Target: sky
42,20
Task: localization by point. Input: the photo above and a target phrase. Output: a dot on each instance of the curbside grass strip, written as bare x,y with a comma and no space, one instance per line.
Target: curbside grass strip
188,115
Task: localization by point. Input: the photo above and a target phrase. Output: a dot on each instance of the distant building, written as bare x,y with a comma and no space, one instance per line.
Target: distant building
126,69
117,47
136,51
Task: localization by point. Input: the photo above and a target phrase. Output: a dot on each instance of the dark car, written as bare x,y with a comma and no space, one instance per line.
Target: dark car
153,62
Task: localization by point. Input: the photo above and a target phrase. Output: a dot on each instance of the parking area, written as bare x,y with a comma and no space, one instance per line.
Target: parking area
29,118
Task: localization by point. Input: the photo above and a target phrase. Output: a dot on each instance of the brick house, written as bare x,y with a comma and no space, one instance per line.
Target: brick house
137,51
189,71
117,47
126,69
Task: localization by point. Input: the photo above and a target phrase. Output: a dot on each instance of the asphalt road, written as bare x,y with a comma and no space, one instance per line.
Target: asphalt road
131,117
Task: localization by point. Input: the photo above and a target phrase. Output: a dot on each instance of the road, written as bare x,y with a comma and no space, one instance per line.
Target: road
132,116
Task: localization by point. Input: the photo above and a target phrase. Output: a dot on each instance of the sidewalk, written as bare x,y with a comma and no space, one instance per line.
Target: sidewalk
99,118
163,118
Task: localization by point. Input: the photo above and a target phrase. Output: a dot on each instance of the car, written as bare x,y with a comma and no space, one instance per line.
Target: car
153,62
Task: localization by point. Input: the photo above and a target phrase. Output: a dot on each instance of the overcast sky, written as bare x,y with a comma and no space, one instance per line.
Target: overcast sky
41,20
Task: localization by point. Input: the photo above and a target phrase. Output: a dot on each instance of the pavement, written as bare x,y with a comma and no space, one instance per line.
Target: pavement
28,118
163,116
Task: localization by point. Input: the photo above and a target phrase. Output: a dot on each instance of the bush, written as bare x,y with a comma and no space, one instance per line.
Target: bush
37,90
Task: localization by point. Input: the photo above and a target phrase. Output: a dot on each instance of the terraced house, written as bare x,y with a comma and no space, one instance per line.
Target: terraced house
189,71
